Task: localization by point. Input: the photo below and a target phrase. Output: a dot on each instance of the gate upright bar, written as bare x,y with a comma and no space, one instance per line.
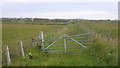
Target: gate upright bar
42,40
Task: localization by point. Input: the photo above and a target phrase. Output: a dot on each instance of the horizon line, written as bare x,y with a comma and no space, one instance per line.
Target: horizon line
59,18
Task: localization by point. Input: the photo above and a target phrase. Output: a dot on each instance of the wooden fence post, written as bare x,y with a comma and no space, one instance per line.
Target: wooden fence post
36,41
65,43
42,40
8,56
22,50
33,42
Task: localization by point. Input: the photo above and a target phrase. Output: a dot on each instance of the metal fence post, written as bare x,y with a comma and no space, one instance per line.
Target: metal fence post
8,56
42,40
22,50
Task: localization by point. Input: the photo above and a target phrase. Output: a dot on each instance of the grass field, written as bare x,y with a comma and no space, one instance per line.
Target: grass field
99,53
0,43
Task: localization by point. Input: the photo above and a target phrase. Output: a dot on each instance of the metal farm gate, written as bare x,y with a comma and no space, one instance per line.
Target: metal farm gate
66,44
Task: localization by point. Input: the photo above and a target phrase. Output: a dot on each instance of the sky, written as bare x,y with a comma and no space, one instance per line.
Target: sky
63,9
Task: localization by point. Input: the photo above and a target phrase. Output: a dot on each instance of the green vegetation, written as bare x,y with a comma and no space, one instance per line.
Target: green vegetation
0,44
99,53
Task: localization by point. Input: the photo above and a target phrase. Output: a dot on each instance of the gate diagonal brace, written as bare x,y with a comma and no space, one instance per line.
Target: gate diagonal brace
53,42
76,41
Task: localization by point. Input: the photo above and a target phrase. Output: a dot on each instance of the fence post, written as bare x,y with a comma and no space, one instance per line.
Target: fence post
8,56
65,43
42,40
22,50
36,41
33,42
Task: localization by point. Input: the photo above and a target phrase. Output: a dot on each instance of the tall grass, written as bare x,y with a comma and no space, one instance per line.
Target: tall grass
97,53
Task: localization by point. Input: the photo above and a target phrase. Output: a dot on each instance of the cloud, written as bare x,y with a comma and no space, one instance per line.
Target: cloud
70,15
59,0
61,10
80,14
15,0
